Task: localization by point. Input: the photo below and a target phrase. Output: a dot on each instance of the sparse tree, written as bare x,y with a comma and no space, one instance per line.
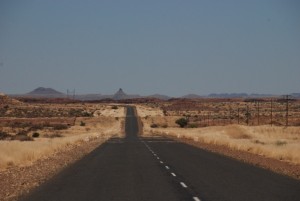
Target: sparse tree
182,122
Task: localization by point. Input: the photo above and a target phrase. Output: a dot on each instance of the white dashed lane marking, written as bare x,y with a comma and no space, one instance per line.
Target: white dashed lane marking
196,199
168,168
183,185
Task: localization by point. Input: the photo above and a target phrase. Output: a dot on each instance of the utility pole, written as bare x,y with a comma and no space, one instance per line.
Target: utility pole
271,112
208,118
257,113
247,115
287,111
74,94
230,116
238,115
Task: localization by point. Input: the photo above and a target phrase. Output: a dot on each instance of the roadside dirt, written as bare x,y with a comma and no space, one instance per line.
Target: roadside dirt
281,167
17,181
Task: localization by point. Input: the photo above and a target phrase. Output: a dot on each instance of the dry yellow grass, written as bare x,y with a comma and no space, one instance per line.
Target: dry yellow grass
274,142
24,153
144,111
107,111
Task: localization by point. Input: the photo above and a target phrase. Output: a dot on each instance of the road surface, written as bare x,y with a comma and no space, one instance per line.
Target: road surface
136,168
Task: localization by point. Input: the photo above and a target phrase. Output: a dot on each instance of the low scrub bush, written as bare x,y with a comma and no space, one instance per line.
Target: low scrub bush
259,142
182,122
60,127
164,126
22,138
4,135
280,143
82,123
192,126
154,125
114,107
54,135
35,135
22,132
36,127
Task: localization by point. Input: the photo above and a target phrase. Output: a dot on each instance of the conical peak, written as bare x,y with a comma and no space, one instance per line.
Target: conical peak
120,95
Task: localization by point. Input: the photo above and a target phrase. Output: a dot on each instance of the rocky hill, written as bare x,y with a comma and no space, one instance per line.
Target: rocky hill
45,91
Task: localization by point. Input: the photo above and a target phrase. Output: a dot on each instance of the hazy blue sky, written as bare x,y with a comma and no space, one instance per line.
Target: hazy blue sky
172,47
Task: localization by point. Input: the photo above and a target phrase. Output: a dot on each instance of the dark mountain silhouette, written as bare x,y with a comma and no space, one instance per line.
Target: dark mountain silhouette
295,95
120,95
45,93
159,96
42,90
191,96
228,95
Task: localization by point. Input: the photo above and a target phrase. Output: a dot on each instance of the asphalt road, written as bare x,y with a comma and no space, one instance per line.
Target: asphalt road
157,168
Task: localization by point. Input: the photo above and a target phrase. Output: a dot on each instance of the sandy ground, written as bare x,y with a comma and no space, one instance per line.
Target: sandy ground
107,111
145,111
17,153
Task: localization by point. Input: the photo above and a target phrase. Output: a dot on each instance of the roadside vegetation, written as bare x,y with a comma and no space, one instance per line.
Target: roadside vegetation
29,132
278,142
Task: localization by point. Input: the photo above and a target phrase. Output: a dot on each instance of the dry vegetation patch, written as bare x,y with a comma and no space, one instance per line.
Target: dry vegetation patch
279,143
29,132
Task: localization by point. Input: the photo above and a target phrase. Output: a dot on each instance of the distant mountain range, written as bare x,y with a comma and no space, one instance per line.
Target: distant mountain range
42,92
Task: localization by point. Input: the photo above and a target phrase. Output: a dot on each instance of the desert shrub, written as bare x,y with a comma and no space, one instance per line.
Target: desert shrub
114,107
280,143
74,113
165,126
20,124
22,137
79,113
22,132
192,125
86,114
259,142
35,135
82,123
54,135
154,125
36,127
60,127
117,118
4,135
182,122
